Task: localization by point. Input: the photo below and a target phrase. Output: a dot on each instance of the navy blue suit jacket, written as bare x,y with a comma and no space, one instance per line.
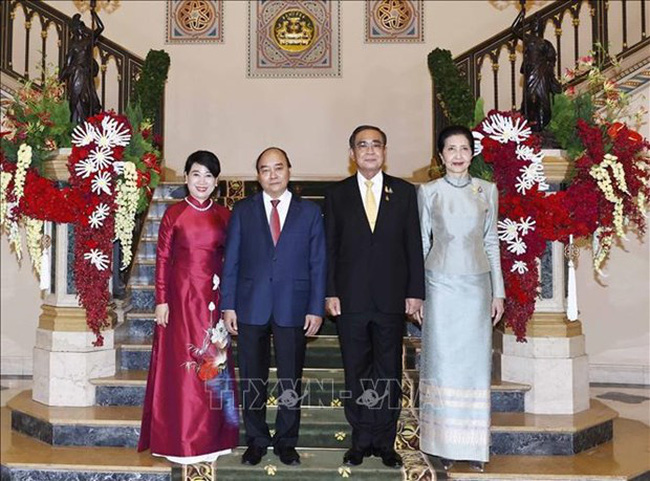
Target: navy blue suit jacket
286,281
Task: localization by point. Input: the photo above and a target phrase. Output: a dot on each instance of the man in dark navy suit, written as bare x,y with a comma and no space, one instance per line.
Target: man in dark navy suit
375,277
273,282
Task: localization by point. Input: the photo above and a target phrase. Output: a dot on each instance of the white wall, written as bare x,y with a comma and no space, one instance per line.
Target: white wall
211,104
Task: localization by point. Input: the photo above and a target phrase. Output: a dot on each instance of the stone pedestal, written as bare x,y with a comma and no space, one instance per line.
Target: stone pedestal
553,362
65,359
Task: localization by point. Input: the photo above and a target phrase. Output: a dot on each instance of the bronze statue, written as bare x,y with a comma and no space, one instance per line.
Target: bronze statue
538,68
81,68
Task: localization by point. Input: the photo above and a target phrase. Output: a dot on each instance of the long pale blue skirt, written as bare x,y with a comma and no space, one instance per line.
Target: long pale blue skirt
455,367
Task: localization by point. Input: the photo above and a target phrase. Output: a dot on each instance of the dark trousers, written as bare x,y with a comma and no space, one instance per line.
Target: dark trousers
254,357
371,345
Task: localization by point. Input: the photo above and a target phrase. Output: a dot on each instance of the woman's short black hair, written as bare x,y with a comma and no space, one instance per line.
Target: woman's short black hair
455,130
206,159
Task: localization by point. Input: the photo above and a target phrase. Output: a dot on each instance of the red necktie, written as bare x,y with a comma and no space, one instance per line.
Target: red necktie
275,221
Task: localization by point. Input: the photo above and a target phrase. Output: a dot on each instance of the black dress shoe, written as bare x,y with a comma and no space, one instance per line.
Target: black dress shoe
389,457
253,455
288,455
354,456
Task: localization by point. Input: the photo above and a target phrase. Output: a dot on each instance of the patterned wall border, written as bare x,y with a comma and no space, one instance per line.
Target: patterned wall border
394,21
194,21
294,38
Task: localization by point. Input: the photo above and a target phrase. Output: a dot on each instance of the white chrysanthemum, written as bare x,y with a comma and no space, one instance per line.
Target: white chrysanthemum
96,219
525,152
112,134
97,258
519,267
101,183
478,145
102,157
118,167
507,229
83,134
503,130
526,225
85,168
523,183
215,282
517,246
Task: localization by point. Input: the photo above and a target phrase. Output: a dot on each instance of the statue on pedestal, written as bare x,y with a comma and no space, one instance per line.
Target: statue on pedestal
538,68
80,68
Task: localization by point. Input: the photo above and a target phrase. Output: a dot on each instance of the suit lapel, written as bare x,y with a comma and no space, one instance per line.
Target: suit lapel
292,217
261,213
384,200
356,202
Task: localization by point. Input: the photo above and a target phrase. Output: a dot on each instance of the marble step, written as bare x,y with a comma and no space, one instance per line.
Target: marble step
322,352
323,387
119,426
139,326
24,458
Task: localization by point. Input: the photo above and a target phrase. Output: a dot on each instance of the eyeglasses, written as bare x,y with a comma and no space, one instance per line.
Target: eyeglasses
364,145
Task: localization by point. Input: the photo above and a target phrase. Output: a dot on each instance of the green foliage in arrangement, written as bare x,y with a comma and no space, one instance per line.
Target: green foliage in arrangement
142,153
150,86
451,89
565,113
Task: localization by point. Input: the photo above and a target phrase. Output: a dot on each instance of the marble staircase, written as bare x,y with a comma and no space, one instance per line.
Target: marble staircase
97,442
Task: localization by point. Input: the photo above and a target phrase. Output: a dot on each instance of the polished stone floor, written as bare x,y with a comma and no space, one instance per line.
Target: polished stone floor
628,454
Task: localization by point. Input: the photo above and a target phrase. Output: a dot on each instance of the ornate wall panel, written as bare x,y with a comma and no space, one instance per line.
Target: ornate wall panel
394,21
194,21
293,38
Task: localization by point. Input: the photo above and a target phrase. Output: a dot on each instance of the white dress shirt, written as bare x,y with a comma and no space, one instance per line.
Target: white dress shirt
283,206
377,182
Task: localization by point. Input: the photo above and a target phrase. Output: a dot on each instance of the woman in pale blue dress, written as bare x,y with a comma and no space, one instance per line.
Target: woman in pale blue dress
464,298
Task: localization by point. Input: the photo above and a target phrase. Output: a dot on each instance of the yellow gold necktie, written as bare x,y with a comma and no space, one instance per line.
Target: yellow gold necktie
371,206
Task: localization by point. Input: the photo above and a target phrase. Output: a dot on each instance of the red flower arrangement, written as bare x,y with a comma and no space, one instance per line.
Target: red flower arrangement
529,217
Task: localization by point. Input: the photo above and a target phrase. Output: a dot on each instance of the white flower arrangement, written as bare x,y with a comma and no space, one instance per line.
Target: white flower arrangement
34,236
127,203
83,134
504,130
101,157
101,183
5,179
112,134
96,219
519,266
511,232
608,184
97,258
85,168
24,160
507,229
478,145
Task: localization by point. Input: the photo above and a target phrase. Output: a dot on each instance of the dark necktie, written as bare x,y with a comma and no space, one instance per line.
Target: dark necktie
275,221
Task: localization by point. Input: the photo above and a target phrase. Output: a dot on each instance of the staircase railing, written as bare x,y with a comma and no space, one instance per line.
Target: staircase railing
26,53
577,26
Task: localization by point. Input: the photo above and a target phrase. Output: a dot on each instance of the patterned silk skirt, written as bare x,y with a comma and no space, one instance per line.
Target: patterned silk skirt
455,367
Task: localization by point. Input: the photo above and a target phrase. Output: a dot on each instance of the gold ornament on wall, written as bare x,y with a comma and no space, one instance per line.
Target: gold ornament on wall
108,6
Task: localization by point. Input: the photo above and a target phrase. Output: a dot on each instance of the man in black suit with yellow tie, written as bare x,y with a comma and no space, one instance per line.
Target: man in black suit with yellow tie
375,277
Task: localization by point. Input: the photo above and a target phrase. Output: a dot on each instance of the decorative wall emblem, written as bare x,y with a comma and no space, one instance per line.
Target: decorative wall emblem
194,21
394,21
293,38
